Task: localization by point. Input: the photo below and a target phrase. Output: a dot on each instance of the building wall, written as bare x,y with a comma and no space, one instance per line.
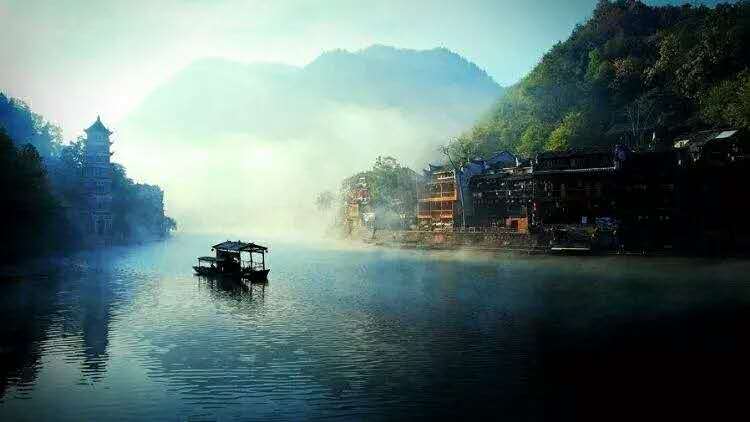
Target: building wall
437,200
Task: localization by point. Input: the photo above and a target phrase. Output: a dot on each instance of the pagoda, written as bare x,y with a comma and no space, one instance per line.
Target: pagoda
97,185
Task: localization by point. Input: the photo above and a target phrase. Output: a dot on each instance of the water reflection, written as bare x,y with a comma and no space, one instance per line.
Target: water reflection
372,335
228,287
96,301
68,314
26,323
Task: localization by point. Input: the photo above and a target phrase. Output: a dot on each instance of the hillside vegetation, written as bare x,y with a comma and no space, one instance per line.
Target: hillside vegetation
630,70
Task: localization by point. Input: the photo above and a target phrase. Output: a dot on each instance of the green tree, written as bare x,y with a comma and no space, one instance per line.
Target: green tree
728,102
566,133
460,150
533,139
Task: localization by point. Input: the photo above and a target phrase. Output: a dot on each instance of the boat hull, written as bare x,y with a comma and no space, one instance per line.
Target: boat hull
254,275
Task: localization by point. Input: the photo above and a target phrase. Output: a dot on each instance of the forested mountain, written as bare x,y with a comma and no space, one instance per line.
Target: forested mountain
630,70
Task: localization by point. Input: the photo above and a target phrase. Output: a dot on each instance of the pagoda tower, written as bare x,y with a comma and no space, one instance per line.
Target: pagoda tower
97,185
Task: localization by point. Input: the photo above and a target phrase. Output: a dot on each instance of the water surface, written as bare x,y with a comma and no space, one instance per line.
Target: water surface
375,334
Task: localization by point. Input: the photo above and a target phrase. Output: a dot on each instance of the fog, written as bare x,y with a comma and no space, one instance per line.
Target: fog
245,183
245,148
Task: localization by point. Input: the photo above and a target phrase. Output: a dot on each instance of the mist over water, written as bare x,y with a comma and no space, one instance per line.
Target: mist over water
248,146
241,182
372,333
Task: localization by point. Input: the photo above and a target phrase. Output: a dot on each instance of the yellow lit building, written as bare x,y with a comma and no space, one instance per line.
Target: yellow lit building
437,199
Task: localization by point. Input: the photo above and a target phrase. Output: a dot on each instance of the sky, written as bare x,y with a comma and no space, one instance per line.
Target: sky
73,60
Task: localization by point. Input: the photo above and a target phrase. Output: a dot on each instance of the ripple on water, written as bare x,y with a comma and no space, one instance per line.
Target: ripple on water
349,334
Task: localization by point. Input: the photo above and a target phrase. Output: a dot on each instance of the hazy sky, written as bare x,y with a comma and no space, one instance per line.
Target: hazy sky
75,59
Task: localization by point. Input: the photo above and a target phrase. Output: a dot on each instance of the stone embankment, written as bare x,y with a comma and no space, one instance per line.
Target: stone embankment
510,241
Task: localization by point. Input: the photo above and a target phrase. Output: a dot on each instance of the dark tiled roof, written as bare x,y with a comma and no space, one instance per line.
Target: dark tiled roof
575,152
230,246
98,126
701,138
439,167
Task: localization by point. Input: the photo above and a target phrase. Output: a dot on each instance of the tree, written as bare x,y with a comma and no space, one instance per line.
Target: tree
460,151
565,134
533,139
324,200
642,117
728,102
26,127
37,220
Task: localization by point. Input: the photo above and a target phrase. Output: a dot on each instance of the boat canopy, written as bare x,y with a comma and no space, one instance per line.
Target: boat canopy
239,246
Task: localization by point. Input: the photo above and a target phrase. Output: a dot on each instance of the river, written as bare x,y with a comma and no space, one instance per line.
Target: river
376,334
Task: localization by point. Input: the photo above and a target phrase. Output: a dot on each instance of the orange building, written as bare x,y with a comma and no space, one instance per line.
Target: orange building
437,199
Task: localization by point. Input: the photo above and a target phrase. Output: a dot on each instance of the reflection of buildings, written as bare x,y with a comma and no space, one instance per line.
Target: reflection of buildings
98,299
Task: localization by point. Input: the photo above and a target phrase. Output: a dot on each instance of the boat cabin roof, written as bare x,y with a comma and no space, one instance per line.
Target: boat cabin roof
209,259
239,246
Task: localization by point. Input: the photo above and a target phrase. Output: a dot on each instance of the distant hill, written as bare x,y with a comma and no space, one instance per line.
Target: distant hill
385,76
630,70
214,96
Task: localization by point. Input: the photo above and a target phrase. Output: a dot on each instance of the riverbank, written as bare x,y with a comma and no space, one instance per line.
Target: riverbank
508,241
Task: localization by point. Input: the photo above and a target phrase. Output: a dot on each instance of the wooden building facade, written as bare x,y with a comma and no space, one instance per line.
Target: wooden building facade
437,199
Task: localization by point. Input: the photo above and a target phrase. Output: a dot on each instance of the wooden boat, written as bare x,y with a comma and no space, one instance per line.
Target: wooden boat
230,261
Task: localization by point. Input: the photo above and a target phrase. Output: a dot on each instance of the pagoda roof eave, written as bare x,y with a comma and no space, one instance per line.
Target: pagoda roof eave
98,126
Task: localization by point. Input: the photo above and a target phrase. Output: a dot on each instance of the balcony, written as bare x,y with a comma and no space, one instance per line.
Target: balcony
439,197
435,215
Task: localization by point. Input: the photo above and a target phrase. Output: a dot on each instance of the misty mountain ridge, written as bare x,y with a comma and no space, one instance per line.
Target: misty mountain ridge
216,95
386,76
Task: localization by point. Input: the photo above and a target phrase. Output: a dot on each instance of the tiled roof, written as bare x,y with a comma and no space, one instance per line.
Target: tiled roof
230,246
98,126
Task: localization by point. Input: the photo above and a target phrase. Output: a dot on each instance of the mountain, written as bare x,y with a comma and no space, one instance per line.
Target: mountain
630,70
213,96
265,138
385,76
